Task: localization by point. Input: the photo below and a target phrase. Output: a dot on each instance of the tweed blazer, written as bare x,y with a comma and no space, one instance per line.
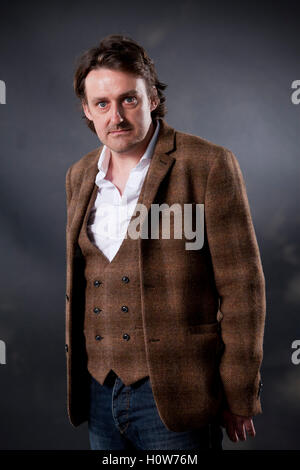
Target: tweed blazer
203,311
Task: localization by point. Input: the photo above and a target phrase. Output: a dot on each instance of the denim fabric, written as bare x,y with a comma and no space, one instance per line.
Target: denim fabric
126,417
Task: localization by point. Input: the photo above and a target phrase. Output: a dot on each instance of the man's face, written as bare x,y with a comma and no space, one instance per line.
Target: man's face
118,101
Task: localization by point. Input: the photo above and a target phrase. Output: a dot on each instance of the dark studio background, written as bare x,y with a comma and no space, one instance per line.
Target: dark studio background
229,68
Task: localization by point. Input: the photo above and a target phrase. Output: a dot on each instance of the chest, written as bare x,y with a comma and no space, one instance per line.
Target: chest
118,179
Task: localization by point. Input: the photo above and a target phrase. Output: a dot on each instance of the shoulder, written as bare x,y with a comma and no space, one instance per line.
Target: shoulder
87,160
198,149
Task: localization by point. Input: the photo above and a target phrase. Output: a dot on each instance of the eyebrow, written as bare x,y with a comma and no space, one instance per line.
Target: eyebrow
104,98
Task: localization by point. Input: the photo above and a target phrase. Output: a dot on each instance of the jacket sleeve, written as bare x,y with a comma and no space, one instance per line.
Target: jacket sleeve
240,283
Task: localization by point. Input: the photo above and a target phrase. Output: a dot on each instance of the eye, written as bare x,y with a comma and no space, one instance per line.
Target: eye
100,103
132,98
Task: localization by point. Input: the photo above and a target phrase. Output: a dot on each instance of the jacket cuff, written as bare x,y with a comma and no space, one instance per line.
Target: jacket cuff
245,402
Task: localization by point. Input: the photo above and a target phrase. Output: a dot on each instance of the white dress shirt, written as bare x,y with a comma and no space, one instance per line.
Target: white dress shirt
111,213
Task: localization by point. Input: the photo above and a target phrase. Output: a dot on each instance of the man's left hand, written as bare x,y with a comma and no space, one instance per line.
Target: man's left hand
236,426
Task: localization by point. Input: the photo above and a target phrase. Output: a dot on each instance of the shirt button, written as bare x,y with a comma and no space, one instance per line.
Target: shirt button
124,308
98,337
97,283
97,310
126,336
125,279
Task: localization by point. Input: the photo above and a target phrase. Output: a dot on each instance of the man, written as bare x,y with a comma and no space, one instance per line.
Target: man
164,344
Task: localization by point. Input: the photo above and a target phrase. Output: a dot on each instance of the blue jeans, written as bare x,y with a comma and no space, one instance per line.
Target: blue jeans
126,417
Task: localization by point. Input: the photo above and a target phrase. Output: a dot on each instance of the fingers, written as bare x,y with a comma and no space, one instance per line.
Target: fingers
237,427
249,426
230,429
240,431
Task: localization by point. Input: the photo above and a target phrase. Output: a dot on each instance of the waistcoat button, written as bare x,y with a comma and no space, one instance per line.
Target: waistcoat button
98,337
125,279
126,336
97,310
124,308
97,283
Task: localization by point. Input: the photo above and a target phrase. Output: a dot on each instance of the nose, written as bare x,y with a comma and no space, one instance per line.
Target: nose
116,114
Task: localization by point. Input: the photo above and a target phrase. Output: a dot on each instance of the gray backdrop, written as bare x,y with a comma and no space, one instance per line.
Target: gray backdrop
229,67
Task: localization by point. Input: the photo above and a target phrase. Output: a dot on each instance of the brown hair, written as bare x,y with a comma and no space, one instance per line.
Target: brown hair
119,52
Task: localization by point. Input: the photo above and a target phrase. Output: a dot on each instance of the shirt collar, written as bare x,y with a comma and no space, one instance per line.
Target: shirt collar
105,155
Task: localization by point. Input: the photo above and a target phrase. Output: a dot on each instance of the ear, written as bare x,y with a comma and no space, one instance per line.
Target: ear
154,100
86,110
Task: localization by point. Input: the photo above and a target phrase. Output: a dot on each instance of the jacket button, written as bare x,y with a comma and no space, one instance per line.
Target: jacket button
97,283
98,337
97,310
125,279
66,347
126,336
124,308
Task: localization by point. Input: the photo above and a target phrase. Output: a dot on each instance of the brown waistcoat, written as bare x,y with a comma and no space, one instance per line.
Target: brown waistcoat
113,325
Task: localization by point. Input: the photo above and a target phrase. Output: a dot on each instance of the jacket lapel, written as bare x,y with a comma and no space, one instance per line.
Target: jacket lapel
160,164
87,185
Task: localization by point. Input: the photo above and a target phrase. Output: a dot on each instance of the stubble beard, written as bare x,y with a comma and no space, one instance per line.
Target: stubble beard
124,145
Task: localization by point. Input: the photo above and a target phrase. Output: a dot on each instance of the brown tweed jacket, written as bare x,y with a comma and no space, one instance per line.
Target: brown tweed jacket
203,311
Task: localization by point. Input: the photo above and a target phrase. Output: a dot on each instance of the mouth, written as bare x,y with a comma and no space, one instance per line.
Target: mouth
122,131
